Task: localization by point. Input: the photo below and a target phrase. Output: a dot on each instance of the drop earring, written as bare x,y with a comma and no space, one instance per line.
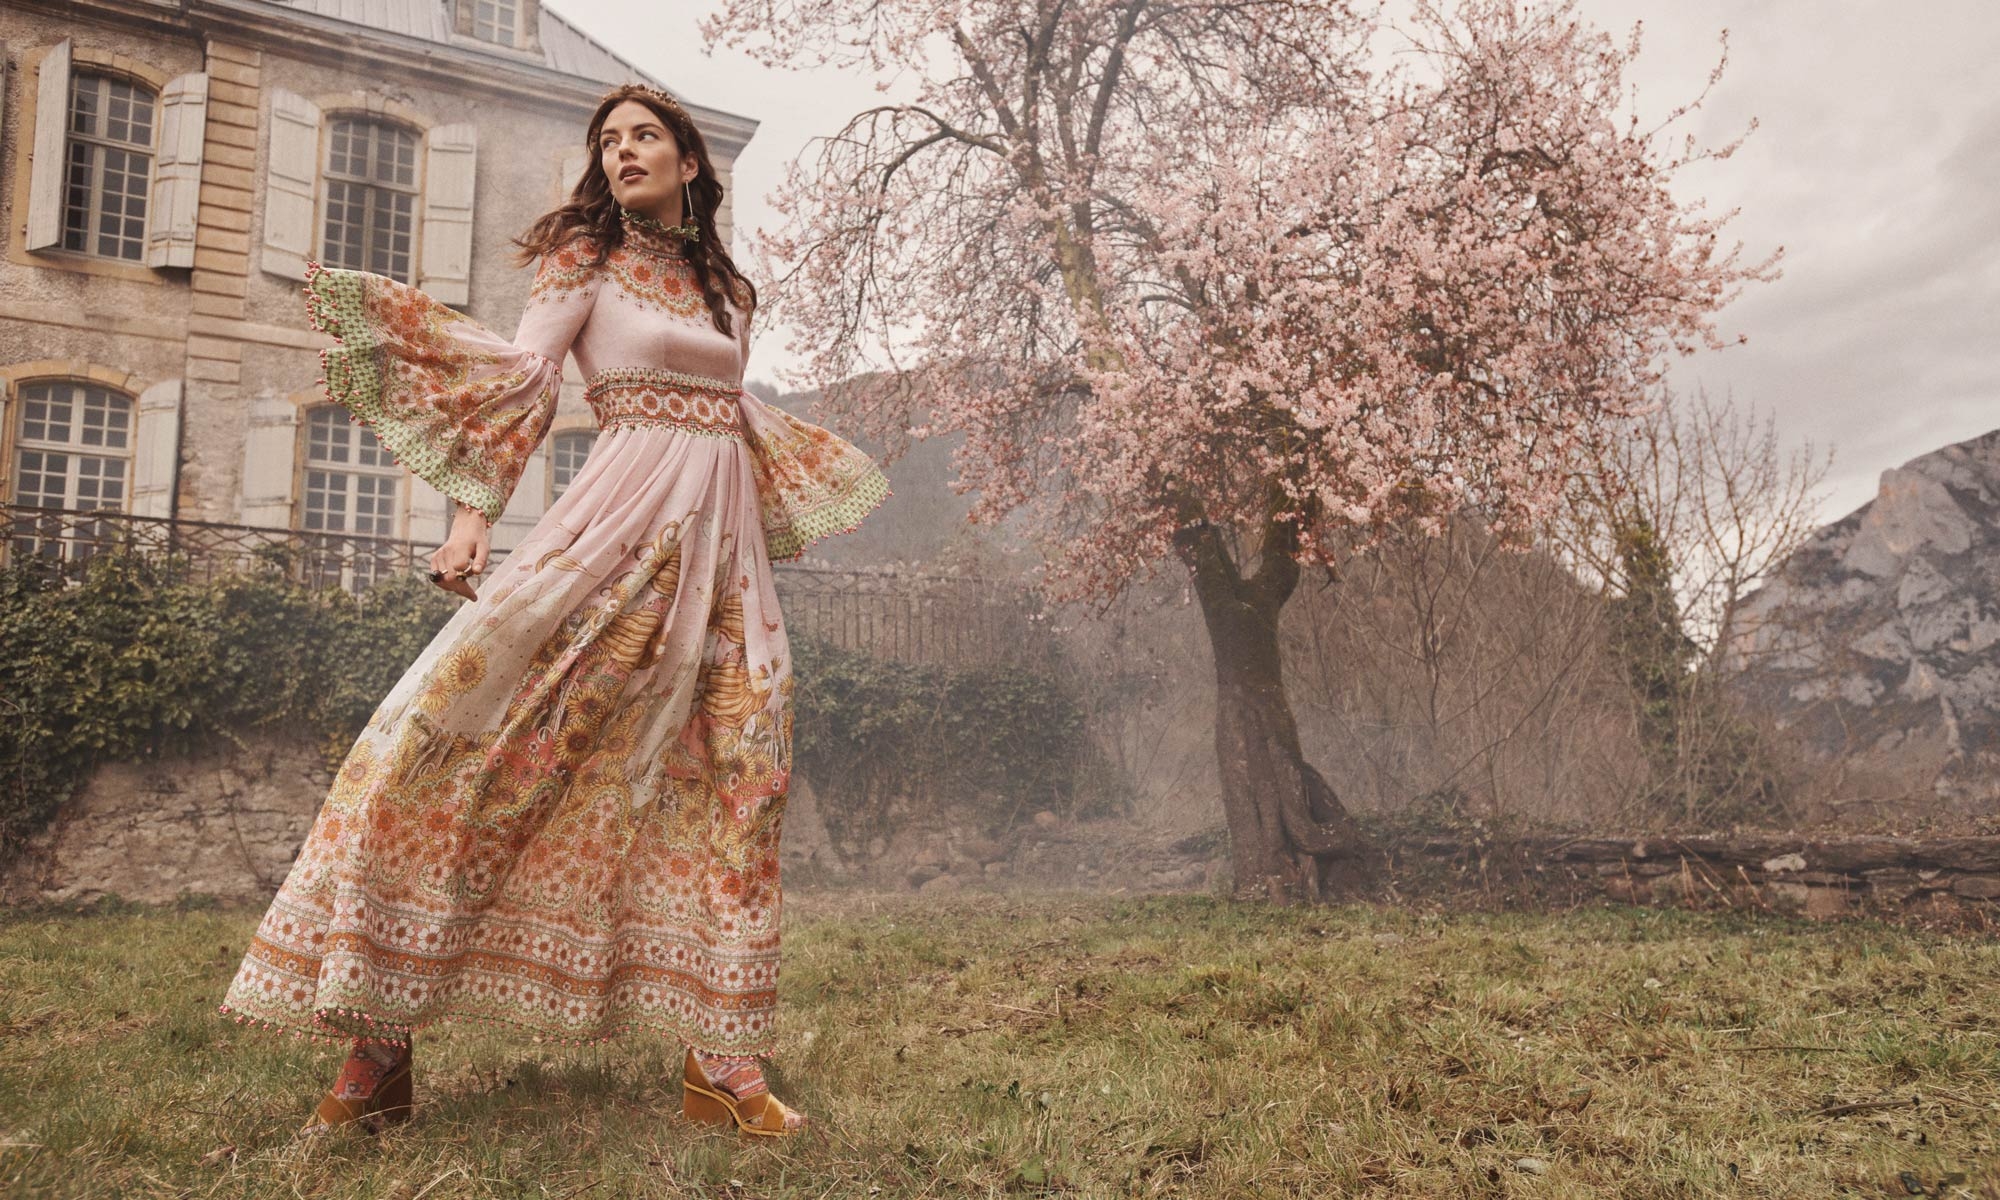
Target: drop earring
687,228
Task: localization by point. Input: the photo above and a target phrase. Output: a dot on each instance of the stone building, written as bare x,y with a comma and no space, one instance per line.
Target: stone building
166,169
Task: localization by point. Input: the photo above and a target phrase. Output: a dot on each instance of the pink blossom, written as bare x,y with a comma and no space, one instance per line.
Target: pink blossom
1213,262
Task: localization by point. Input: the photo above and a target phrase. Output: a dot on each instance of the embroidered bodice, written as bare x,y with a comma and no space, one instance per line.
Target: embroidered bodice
640,308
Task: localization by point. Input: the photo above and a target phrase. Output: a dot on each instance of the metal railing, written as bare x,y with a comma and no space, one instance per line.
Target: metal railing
910,615
915,616
63,540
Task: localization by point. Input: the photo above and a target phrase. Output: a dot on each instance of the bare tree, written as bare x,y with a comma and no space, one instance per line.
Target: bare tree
1451,667
1685,519
1727,502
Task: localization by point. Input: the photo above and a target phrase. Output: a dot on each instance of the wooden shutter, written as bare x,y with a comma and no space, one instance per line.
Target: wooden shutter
270,451
177,172
430,515
156,450
450,152
569,170
291,184
45,171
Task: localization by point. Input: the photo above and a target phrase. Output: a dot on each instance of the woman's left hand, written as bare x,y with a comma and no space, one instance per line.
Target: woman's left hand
463,554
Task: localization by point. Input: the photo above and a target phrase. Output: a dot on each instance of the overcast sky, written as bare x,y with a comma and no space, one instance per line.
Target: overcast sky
1876,164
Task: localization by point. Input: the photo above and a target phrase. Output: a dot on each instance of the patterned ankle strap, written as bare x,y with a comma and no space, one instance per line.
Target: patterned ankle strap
738,1074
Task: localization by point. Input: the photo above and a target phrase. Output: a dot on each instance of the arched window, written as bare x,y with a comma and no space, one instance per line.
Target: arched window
567,452
351,482
371,197
72,446
108,161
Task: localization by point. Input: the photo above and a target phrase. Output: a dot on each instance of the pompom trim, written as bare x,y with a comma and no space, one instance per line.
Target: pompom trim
327,1030
843,514
357,388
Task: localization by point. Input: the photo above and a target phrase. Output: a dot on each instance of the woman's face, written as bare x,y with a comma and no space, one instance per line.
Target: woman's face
642,162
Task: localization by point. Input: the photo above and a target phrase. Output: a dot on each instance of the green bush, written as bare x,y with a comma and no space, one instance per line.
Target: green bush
880,739
132,661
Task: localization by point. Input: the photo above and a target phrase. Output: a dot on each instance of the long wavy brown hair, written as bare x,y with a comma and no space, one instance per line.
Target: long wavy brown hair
591,209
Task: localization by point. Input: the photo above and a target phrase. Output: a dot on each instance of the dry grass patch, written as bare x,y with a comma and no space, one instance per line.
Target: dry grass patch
1176,1046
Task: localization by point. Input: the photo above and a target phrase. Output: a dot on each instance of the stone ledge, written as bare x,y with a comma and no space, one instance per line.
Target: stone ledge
227,823
1820,877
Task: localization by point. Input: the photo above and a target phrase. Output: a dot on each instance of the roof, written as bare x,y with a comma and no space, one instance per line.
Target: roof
572,51
565,47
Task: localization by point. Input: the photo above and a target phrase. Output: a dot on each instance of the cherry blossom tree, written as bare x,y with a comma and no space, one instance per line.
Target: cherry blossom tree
1238,284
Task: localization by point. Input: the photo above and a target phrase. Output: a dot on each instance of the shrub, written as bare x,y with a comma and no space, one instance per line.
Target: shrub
134,661
883,740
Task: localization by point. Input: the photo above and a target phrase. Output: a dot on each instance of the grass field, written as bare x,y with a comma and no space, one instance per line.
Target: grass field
1175,1046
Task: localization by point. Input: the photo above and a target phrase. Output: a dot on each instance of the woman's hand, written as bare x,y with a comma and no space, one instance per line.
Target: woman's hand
463,553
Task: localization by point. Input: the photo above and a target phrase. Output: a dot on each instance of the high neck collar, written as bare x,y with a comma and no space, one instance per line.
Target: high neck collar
645,233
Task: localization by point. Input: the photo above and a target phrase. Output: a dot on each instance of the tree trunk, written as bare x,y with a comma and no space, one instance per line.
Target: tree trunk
1290,838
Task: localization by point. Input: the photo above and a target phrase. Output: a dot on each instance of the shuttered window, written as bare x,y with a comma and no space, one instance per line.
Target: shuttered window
371,197
108,165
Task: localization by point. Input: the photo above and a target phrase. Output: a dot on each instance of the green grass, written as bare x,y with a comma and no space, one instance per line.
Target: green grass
1176,1046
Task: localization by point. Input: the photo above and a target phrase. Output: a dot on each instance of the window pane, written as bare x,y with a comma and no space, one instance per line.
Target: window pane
395,157
100,482
368,451
495,21
351,482
107,419
86,104
40,479
329,436
340,152
326,501
59,418
375,504
46,411
567,456
106,166
371,198
343,224
76,195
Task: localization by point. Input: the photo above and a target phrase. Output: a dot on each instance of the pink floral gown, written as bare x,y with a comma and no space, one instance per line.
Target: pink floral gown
564,818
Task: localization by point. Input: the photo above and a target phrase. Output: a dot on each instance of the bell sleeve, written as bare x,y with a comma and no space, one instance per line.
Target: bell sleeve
810,483
454,403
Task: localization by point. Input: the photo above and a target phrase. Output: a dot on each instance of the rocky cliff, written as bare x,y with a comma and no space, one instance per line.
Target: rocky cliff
1879,641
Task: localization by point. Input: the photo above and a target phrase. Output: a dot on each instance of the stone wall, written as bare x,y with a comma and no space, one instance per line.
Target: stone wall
228,824
1816,877
224,824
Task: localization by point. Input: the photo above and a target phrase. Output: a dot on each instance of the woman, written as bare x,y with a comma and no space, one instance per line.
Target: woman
564,818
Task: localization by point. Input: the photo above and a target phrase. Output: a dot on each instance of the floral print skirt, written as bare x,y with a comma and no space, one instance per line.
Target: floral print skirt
564,818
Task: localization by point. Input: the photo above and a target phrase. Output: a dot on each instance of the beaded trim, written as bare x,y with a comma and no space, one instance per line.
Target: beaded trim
655,396
650,233
611,376
842,514
344,1026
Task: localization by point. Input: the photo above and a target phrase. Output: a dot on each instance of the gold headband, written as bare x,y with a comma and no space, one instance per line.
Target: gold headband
655,93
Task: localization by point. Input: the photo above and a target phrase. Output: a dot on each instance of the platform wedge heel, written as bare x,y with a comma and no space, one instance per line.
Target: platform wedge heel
707,1103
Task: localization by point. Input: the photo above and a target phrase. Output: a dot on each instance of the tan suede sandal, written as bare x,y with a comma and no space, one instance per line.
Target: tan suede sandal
709,1104
389,1104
